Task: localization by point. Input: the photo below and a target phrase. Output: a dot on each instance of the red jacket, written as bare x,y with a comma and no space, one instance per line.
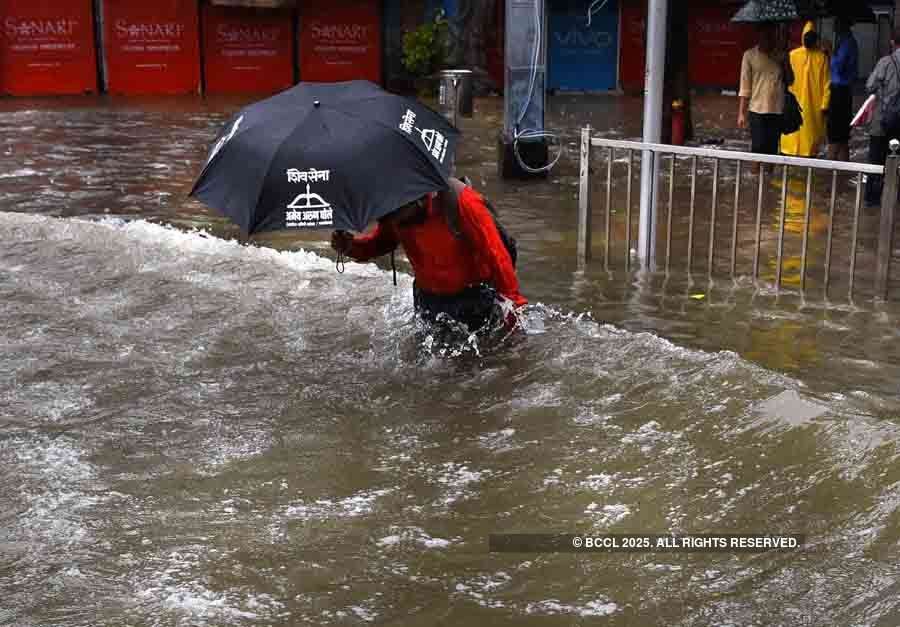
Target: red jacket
442,262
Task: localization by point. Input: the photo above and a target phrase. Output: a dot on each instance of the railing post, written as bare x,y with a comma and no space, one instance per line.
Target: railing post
888,217
584,200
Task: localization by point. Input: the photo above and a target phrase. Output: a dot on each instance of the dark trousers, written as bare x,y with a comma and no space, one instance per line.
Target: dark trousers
765,132
474,306
840,113
878,151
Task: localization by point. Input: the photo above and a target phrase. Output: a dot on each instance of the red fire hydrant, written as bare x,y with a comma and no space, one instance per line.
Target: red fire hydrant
678,123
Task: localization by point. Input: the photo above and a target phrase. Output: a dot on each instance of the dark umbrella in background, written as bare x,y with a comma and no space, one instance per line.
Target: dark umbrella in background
790,10
325,155
767,11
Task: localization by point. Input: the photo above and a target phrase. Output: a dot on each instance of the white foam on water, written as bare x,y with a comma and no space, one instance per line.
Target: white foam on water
171,245
363,612
57,485
607,515
663,567
484,588
599,482
49,401
353,506
646,433
589,417
538,395
457,478
224,447
414,536
499,441
174,584
586,610
22,172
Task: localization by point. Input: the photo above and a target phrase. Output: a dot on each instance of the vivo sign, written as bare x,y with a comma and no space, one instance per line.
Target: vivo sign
575,38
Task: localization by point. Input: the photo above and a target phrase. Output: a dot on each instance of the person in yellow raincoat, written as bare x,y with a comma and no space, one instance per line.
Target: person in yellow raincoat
812,87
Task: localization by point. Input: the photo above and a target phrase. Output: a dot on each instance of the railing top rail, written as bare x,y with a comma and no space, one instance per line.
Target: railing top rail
734,155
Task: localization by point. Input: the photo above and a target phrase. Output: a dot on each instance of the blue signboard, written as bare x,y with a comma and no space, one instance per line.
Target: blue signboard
582,57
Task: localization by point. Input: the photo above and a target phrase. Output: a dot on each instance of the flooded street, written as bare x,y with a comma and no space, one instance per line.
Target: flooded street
199,432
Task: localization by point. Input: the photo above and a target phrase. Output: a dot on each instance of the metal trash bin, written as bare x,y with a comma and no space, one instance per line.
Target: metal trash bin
456,94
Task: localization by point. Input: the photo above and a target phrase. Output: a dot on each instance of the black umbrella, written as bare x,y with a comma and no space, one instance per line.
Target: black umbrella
325,155
790,10
767,11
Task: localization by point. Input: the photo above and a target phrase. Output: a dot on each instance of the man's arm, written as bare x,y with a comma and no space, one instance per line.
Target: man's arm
743,104
873,84
746,90
478,227
842,58
379,242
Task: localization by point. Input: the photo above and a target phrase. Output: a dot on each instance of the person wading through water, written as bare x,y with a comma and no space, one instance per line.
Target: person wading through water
458,255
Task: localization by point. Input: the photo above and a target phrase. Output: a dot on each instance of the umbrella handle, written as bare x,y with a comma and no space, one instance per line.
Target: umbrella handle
339,264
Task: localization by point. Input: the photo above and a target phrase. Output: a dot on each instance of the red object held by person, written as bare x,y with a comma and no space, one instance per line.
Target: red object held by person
679,126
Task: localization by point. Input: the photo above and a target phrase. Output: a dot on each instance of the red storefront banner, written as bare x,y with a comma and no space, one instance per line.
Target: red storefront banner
340,40
151,47
717,46
47,47
633,46
247,50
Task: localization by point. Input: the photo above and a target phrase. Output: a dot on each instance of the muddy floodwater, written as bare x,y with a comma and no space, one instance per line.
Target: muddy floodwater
196,430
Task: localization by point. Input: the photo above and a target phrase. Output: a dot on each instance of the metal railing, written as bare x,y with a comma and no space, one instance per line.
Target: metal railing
886,224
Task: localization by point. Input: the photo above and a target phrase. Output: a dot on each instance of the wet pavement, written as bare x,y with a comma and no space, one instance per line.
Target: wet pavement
194,431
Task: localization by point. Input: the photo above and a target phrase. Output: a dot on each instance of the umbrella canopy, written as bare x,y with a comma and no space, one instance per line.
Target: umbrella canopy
325,155
790,10
767,11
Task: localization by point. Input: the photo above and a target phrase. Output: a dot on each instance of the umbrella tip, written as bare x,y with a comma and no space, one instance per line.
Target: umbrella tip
316,103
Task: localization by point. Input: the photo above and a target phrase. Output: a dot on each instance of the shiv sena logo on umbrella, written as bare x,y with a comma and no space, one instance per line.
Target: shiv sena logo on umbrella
308,208
434,141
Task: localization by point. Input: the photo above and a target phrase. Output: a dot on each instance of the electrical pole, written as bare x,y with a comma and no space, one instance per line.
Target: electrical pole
653,107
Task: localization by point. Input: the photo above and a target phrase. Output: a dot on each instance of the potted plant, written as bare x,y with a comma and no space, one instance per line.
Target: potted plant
425,53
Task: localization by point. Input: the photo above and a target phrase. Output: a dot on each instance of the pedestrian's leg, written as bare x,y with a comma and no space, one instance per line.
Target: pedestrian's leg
756,138
877,156
840,112
772,137
838,151
844,152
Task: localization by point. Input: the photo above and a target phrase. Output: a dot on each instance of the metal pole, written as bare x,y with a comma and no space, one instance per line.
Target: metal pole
888,219
759,207
712,217
784,191
855,232
734,224
807,207
657,13
669,219
609,173
584,200
628,203
690,244
828,243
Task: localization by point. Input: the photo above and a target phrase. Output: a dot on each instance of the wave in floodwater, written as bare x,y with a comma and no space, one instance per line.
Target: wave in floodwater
198,432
